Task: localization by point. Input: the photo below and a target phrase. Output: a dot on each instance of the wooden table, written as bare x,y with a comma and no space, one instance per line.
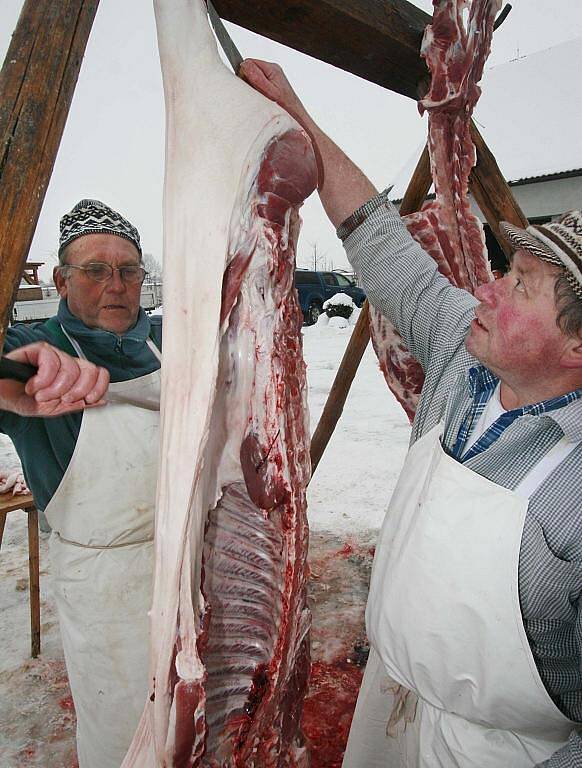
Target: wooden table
8,503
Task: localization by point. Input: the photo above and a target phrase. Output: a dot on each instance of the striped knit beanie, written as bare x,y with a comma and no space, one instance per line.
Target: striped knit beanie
92,217
559,242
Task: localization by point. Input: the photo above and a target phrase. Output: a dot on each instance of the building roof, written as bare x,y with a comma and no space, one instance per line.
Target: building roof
530,115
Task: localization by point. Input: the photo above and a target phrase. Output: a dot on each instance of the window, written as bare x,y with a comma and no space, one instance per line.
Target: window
329,280
343,281
306,278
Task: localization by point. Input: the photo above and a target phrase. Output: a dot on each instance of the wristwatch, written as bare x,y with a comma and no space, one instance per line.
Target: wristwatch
361,214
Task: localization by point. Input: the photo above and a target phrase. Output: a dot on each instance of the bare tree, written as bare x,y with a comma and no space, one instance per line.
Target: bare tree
319,260
153,267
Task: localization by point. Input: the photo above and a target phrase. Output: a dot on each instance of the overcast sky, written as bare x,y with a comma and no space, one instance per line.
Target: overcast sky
113,144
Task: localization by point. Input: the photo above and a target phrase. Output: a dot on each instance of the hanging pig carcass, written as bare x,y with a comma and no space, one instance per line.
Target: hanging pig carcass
455,47
229,622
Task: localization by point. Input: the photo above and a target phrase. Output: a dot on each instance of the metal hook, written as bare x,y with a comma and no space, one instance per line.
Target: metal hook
502,16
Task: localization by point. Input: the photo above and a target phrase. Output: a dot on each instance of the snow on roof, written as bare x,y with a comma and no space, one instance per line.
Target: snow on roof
530,115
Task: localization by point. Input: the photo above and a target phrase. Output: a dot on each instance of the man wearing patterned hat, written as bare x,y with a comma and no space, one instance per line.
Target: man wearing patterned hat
93,469
475,606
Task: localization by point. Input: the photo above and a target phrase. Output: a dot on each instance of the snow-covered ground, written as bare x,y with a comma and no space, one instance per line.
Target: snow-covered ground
358,471
347,498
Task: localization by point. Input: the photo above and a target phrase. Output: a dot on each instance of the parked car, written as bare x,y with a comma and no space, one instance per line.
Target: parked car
35,303
316,287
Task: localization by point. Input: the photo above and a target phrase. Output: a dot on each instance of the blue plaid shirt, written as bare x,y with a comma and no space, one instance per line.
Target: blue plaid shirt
482,384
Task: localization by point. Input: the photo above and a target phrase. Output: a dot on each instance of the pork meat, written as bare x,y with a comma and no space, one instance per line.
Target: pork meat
229,622
455,47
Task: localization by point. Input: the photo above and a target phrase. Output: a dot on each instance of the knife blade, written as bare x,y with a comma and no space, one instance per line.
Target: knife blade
12,369
231,51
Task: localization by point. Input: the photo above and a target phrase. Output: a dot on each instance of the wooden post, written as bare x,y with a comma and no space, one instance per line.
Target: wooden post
491,192
10,503
334,405
37,82
34,586
419,185
414,197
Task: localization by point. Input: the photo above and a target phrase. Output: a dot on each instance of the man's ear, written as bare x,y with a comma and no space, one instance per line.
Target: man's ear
572,355
60,282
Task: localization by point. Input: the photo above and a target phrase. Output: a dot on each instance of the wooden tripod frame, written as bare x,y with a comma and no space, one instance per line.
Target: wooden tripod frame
375,39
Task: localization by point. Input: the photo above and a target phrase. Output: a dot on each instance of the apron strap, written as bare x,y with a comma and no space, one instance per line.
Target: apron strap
155,351
75,344
147,540
543,469
58,336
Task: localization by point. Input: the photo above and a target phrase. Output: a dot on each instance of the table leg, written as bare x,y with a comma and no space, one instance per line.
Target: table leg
3,516
34,577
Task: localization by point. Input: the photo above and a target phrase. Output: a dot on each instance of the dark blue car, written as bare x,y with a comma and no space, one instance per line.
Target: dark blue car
316,287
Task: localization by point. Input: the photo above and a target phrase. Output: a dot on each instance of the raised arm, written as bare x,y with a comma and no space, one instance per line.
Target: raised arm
63,384
341,184
399,278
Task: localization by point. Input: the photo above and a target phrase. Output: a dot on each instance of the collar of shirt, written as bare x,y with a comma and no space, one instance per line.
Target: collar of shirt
565,410
100,338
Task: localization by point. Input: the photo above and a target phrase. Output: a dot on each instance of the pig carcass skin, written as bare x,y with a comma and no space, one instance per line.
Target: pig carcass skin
229,622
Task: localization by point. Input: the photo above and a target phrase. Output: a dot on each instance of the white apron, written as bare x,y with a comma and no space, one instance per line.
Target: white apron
444,621
102,516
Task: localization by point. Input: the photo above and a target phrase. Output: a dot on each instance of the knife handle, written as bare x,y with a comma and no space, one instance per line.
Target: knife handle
12,369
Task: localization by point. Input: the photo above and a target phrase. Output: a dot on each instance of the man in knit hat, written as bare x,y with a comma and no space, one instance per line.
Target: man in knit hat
475,606
93,469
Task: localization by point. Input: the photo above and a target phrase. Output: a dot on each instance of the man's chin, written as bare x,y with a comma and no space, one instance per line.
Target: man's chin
472,346
117,321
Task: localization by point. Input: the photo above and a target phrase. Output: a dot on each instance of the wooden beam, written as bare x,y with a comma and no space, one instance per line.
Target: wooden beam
334,405
37,82
491,192
413,199
419,185
378,40
34,580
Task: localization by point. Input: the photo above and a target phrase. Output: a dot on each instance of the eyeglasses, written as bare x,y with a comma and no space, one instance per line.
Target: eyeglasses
101,272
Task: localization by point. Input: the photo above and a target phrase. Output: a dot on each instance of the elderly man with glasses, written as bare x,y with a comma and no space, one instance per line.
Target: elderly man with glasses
93,469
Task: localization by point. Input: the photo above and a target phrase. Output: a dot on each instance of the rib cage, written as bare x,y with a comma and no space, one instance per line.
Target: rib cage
243,561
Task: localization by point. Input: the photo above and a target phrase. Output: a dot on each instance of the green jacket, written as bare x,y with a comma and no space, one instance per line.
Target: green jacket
45,446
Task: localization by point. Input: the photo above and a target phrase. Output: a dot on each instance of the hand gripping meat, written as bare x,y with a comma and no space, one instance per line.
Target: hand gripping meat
229,622
446,228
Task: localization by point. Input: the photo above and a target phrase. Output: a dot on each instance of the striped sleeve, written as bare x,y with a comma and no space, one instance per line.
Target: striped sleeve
402,281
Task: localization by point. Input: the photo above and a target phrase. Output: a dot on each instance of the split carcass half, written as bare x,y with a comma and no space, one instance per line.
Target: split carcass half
229,623
446,228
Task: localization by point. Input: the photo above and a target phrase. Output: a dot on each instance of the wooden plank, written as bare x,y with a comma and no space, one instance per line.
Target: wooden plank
34,581
334,405
9,502
419,185
414,197
491,192
37,82
378,40
3,516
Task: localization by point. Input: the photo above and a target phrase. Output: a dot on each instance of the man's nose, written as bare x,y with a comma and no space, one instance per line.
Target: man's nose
115,283
487,293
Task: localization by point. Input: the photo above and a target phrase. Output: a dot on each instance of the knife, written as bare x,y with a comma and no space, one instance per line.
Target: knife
12,369
231,51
